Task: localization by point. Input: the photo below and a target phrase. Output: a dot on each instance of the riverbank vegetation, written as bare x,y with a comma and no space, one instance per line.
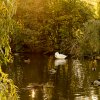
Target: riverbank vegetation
69,26
8,91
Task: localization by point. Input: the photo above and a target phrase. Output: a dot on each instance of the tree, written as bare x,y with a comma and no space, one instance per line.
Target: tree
7,10
91,37
52,23
8,91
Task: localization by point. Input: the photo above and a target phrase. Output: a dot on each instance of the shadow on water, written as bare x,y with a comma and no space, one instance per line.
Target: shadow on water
41,77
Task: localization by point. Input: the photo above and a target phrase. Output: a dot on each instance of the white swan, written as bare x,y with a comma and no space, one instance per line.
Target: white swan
60,56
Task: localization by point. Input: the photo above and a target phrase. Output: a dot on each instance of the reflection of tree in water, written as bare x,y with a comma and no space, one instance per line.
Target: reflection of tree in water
48,90
48,87
78,74
16,70
87,91
61,81
80,81
55,86
71,81
50,63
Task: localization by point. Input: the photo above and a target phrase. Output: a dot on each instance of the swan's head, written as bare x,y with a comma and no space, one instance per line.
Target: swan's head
56,53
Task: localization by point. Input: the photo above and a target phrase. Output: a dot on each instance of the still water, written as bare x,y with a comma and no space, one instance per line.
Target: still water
46,78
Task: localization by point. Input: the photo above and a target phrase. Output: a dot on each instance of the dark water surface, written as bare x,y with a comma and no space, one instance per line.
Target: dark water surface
44,78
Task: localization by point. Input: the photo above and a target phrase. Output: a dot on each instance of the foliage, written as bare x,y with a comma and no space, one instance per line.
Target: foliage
8,91
98,8
51,25
92,37
6,29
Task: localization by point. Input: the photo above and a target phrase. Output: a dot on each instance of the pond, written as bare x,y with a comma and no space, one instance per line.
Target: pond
43,77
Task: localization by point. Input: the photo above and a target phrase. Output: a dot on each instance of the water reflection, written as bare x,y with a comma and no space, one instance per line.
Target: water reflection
33,93
48,90
60,62
72,80
92,95
78,72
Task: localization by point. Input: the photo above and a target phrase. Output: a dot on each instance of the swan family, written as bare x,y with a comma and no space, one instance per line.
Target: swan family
60,56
